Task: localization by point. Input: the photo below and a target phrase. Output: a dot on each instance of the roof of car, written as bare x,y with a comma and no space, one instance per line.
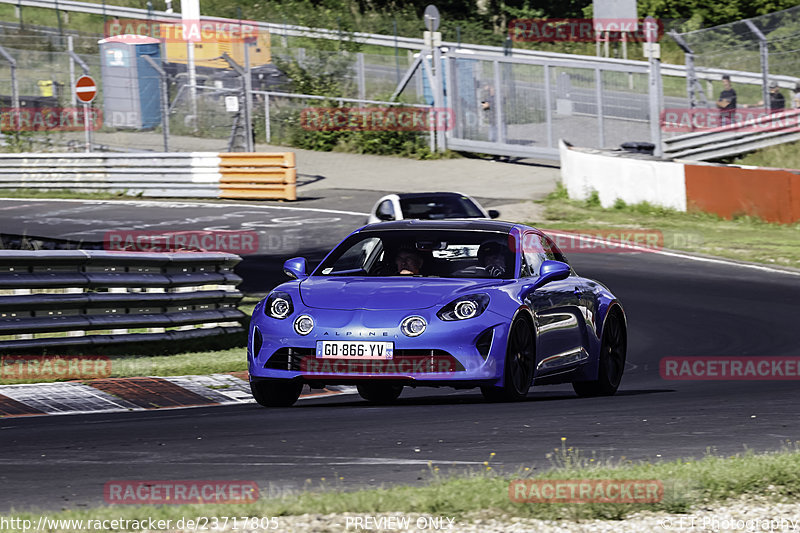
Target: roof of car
413,195
472,224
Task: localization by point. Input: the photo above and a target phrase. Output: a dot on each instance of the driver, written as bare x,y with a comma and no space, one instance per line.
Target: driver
408,262
491,256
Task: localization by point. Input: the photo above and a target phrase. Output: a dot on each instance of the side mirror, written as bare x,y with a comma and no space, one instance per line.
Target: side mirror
385,211
384,215
296,268
551,271
493,213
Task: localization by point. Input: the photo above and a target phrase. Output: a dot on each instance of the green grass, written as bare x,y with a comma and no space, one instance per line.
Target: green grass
199,362
483,492
743,238
780,156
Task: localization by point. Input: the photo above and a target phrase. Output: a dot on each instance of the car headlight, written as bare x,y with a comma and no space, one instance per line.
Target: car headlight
413,326
303,324
279,305
464,307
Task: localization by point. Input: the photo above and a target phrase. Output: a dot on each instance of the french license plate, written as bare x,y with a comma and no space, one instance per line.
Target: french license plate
354,350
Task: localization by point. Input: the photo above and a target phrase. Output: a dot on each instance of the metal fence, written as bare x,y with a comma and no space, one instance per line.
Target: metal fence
516,105
768,44
521,106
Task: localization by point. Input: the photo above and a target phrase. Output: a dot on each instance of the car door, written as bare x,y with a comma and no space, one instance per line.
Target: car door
557,307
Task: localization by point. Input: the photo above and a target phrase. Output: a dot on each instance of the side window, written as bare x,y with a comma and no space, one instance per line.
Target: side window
534,253
360,256
553,253
385,210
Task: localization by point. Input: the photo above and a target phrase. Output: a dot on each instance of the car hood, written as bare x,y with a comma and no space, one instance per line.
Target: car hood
384,294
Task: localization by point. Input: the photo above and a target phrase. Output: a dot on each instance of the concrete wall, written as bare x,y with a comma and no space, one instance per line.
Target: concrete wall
727,190
615,177
770,194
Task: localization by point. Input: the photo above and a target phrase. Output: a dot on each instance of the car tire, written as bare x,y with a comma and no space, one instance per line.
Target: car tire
613,350
379,393
276,393
518,369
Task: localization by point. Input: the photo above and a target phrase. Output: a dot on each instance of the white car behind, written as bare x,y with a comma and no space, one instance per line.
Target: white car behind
427,206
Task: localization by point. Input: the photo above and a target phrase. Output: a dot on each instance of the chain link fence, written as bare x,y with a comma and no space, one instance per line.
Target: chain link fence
768,45
510,105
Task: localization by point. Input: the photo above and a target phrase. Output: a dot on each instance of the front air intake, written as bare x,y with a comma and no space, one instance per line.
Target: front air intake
484,343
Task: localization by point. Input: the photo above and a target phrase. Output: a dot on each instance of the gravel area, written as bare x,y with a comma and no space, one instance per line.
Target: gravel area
735,516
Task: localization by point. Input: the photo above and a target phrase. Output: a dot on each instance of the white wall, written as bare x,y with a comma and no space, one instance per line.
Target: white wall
617,176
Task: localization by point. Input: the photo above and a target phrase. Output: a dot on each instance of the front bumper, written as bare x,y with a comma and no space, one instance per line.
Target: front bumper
464,352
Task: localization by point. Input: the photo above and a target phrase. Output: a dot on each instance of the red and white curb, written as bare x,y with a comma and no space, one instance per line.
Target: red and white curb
130,394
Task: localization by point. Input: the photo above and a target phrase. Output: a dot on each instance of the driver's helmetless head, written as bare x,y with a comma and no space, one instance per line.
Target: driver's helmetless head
408,262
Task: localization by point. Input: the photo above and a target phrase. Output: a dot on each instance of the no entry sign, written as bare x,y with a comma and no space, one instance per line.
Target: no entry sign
85,89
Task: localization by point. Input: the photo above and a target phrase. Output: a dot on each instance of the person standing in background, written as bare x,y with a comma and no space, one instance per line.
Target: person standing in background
726,103
487,106
776,99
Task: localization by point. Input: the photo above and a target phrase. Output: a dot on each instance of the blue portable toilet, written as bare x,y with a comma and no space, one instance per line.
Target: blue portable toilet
131,91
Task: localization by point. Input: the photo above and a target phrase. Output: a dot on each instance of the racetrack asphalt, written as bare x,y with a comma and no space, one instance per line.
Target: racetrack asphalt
309,228
676,306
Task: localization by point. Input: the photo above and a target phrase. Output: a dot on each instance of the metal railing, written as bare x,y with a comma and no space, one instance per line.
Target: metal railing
270,98
79,297
766,46
391,41
735,139
174,174
540,96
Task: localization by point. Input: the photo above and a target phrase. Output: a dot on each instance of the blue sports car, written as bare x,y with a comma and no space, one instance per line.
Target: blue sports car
458,303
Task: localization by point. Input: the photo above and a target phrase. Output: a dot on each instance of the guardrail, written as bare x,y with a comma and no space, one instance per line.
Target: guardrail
735,139
192,174
78,297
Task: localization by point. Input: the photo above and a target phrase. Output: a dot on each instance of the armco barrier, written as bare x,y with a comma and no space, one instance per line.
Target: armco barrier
726,190
734,139
192,174
78,297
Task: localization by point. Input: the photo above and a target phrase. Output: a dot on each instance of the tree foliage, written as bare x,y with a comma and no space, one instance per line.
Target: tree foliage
477,19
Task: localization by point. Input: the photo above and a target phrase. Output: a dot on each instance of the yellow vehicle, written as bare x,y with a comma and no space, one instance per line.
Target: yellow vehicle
211,40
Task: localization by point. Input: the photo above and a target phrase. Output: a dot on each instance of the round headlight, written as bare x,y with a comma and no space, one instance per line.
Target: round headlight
280,308
303,325
413,326
466,309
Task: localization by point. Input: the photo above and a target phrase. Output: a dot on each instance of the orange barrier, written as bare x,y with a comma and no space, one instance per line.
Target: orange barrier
770,194
258,175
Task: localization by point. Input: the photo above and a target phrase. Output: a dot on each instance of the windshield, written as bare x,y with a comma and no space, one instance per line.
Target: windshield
437,207
422,253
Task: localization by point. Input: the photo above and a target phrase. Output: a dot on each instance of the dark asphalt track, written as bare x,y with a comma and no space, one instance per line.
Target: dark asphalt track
309,227
675,307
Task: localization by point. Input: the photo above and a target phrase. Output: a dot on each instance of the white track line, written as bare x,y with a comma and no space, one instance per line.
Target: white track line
167,204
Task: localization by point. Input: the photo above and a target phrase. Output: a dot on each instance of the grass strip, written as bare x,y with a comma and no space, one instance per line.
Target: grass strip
743,238
784,155
484,492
